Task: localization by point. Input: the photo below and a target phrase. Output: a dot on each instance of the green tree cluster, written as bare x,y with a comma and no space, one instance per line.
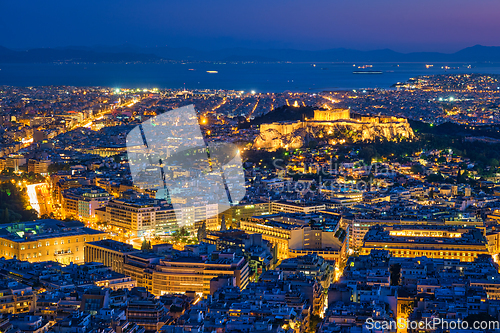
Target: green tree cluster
14,205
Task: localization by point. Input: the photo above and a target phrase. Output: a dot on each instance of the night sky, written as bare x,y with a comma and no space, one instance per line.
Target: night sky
402,25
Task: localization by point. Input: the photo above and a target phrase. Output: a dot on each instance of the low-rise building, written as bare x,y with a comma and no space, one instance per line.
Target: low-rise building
433,241
39,166
16,297
141,217
301,234
108,252
194,273
82,202
47,240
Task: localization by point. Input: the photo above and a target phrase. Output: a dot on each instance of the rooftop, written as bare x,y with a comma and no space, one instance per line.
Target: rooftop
43,229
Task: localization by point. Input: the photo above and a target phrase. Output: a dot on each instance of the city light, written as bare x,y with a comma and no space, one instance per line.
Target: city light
347,187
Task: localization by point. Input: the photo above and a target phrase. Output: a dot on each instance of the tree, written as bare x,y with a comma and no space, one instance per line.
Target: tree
493,162
14,204
117,158
6,215
441,159
314,322
181,234
367,154
312,144
395,271
223,223
407,309
8,172
202,231
435,178
463,175
417,169
480,317
146,246
184,232
55,167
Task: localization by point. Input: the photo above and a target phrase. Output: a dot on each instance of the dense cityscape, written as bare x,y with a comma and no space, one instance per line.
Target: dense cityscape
364,211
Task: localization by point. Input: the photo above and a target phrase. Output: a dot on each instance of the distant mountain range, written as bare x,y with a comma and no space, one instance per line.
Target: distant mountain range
72,55
132,53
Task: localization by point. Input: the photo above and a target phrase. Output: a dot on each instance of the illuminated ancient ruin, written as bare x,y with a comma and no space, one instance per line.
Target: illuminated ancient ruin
332,127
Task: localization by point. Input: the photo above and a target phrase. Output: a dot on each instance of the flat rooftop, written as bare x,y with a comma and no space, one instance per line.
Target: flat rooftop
113,245
44,229
462,235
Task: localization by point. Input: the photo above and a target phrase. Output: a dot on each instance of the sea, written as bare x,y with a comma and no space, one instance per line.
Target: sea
258,77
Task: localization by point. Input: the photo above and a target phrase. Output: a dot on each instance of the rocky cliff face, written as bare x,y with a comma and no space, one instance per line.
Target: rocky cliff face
293,135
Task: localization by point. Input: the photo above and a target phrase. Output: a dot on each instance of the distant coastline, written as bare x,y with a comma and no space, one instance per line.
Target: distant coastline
135,54
259,77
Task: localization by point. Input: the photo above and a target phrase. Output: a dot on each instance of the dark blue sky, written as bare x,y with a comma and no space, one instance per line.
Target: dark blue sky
402,25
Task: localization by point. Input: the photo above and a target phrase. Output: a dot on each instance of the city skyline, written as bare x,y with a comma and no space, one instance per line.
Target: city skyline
362,208
227,180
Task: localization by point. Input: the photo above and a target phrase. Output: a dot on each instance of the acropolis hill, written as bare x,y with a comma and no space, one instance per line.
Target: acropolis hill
333,127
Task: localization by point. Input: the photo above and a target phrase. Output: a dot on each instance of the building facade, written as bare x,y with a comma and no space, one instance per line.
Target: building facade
47,240
331,115
194,274
140,217
108,252
432,241
82,202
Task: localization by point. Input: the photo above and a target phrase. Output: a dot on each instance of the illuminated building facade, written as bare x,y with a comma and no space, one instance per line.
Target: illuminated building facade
186,273
239,212
140,217
108,252
310,265
191,216
314,240
147,312
82,202
41,167
490,285
47,240
331,115
14,162
276,232
432,241
359,227
195,273
259,253
148,218
16,298
342,198
60,183
291,207
297,234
